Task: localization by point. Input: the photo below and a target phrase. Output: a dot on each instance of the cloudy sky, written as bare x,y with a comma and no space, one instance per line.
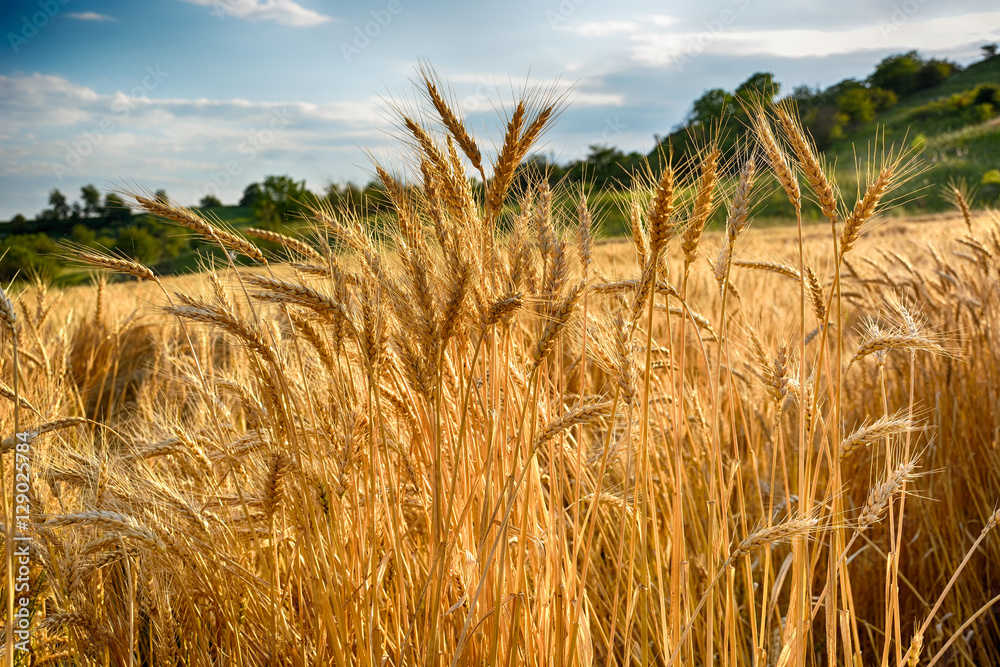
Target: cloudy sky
205,96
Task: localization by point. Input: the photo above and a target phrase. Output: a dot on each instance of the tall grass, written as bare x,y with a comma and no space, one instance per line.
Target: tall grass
475,437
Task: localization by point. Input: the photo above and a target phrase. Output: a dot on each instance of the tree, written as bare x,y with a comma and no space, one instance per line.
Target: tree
897,73
209,201
116,210
348,195
989,50
882,99
28,254
91,198
760,87
60,206
934,72
826,124
857,105
281,197
250,194
712,105
140,245
987,93
805,98
161,195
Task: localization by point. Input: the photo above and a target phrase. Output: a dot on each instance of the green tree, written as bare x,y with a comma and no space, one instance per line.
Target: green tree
60,206
161,195
805,98
209,201
882,99
826,125
83,235
138,244
115,209
250,195
987,93
348,195
934,72
898,73
711,106
91,198
857,105
760,87
281,197
28,254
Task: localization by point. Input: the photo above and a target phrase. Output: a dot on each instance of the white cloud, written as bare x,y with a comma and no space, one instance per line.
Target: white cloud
486,92
662,20
894,31
589,99
89,16
602,28
285,12
60,134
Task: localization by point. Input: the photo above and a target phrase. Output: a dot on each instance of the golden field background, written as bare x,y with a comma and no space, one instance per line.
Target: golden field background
473,436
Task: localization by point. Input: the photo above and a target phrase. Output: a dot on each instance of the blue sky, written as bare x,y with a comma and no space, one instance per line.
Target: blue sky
205,96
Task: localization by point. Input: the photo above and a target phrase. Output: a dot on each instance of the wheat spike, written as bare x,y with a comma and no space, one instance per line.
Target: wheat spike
452,121
810,163
8,316
300,247
188,218
561,315
583,414
765,536
116,264
864,209
703,205
771,267
776,158
881,495
871,433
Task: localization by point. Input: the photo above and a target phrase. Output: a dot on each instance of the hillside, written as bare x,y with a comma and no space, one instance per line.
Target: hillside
955,144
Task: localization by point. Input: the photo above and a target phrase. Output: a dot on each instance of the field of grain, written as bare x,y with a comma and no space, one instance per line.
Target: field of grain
474,436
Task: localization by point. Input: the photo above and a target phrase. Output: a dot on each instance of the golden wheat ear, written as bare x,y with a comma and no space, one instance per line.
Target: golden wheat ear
809,161
107,260
451,119
211,228
532,116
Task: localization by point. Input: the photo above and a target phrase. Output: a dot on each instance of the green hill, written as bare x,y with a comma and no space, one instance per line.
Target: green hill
946,114
958,135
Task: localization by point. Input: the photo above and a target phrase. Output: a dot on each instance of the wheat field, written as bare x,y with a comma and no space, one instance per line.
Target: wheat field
468,433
